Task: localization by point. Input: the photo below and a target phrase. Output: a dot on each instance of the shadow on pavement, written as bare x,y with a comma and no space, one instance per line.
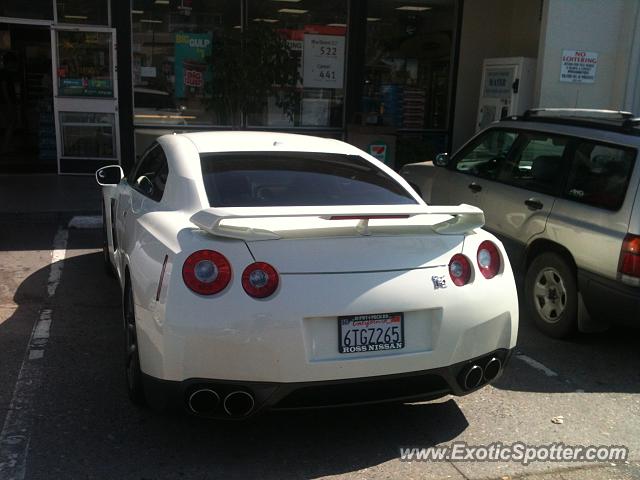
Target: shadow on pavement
591,362
36,232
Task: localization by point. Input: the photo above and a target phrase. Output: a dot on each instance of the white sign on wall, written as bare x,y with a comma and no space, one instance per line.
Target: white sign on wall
578,66
498,82
323,61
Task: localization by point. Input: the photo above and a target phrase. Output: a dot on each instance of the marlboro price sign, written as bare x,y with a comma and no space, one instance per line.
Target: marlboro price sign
323,64
578,66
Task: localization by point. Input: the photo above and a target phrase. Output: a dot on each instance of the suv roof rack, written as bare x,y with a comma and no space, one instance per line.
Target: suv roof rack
612,120
580,113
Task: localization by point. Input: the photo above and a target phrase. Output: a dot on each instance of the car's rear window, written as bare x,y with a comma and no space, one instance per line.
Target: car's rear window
268,179
600,174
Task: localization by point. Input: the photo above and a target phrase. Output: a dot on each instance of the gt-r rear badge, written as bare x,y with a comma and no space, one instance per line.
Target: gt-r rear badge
439,282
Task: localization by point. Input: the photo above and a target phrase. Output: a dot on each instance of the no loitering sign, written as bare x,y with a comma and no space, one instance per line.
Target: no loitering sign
578,66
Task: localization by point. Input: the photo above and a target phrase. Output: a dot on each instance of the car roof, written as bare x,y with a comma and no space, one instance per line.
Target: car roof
251,141
183,151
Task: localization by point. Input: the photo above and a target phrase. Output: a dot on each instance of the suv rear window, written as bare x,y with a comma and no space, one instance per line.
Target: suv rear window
600,174
268,179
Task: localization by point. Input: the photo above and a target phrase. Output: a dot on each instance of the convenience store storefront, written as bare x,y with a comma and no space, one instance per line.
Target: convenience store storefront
58,86
377,73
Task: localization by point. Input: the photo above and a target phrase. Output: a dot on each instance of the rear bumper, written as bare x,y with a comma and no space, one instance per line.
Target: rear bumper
405,387
293,337
610,299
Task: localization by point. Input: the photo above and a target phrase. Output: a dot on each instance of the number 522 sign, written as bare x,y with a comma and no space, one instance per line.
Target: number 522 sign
323,61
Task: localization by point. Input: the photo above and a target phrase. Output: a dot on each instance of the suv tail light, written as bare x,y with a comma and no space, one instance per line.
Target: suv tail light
206,272
488,259
630,258
460,269
260,280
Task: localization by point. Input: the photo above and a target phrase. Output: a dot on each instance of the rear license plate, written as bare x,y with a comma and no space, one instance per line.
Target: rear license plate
371,333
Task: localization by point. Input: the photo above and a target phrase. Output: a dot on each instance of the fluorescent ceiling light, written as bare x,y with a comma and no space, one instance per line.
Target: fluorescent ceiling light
238,26
295,11
373,19
162,2
76,17
266,20
413,8
146,20
137,12
336,24
288,1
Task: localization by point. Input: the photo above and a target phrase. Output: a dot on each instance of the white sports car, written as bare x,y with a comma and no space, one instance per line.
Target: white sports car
277,271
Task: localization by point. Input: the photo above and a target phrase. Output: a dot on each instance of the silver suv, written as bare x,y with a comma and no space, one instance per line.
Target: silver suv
560,189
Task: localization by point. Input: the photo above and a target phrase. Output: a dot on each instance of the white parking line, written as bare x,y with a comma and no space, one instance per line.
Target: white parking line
537,365
16,432
89,221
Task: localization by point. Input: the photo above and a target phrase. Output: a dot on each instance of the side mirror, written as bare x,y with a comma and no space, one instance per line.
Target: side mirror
441,160
109,175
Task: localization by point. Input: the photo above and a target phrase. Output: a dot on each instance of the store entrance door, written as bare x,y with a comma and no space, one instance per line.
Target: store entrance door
85,98
27,132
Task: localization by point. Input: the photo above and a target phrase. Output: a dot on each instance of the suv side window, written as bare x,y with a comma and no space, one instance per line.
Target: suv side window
537,163
484,156
600,174
150,176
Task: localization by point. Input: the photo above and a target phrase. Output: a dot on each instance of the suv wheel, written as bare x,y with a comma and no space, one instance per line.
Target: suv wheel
551,295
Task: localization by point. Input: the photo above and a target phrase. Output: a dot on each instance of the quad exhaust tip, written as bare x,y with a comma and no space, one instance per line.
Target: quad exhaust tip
238,403
203,401
477,375
492,369
473,377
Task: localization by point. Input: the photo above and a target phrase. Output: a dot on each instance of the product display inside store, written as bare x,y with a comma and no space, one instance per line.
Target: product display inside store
408,59
201,63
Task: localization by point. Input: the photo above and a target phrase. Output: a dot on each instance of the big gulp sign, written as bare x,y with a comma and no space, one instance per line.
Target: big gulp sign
578,66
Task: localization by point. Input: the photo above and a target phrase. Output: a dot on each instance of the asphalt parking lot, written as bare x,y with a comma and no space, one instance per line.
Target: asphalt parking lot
65,413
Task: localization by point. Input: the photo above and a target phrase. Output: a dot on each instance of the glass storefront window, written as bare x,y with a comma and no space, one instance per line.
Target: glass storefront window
413,147
311,52
85,64
95,12
32,9
88,135
407,66
174,59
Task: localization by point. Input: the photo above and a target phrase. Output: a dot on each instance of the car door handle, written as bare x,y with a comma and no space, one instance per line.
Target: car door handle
533,204
474,187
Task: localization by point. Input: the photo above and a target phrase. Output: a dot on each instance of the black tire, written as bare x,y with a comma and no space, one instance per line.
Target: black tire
133,374
108,266
551,295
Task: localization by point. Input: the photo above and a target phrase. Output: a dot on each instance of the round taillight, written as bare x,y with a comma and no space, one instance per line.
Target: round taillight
460,269
260,280
206,272
488,259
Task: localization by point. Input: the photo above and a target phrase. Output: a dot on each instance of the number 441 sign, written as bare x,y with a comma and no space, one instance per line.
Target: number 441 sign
323,61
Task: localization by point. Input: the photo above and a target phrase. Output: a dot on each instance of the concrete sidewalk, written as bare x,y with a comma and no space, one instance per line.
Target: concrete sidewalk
27,196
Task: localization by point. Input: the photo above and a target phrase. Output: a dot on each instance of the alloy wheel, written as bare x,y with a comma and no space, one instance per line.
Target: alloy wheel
550,295
131,343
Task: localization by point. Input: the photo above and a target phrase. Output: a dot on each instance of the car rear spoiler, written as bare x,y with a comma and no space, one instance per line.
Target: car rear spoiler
455,219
